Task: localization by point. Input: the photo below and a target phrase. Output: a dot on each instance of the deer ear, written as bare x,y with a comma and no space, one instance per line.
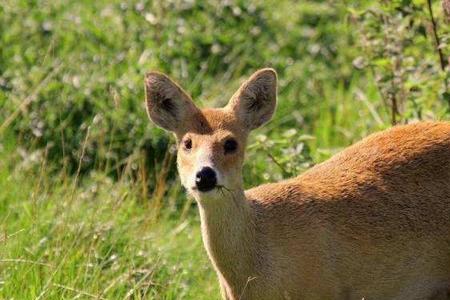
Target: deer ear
255,101
168,105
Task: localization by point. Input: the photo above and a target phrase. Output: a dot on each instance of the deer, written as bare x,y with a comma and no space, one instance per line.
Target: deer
372,222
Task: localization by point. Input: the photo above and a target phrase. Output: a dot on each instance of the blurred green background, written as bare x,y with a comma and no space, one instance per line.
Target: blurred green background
90,203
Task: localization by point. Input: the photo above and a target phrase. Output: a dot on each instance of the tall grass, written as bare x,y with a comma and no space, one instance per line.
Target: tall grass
95,239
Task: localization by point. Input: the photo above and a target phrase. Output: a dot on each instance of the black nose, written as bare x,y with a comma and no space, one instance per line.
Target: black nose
206,179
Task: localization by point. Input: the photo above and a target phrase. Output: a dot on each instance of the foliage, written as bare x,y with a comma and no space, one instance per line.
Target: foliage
90,205
72,73
404,48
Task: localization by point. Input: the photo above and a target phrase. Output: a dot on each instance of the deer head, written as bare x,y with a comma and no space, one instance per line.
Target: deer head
211,142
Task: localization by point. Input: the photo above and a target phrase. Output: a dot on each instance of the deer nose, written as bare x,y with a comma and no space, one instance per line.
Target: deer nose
206,179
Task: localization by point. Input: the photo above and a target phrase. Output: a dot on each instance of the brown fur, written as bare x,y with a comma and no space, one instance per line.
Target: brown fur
372,222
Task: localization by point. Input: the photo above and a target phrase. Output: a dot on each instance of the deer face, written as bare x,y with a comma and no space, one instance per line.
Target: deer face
211,142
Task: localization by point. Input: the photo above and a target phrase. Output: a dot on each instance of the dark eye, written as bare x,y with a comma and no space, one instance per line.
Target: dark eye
230,146
187,144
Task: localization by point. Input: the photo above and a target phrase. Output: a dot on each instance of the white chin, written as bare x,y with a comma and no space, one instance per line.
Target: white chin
214,193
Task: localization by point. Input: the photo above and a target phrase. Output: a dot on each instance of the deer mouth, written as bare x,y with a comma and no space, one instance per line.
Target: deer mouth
215,188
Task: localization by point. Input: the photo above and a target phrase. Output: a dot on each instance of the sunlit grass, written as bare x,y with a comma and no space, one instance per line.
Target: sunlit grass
96,240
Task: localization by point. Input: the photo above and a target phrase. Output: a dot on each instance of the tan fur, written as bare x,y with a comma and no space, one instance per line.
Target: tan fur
372,222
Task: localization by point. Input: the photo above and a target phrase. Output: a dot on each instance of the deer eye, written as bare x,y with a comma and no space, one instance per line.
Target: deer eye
230,146
187,144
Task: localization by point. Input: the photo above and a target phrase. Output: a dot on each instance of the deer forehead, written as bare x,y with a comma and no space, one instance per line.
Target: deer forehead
215,137
214,125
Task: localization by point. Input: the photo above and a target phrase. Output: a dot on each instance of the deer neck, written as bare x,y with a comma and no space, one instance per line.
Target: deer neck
228,232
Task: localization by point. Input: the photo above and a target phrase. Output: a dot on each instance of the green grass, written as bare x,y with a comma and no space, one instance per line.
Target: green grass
97,241
90,204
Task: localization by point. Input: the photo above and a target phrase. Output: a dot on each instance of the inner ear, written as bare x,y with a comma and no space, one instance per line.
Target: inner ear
168,105
254,103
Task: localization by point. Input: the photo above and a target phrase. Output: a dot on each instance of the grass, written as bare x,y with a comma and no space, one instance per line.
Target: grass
96,240
90,204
